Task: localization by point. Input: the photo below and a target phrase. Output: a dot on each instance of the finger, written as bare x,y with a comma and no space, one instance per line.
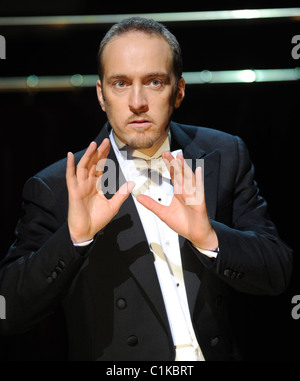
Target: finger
97,162
91,157
199,196
176,173
99,166
70,171
170,162
102,151
187,171
83,165
189,178
153,206
105,145
183,178
99,156
199,181
199,178
166,155
103,148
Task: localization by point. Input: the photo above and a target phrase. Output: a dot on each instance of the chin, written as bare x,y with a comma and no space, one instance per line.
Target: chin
138,144
141,142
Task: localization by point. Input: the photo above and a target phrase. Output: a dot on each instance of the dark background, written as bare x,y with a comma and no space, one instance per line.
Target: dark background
38,128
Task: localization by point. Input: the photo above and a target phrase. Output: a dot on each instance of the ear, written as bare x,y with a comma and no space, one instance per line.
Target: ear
100,95
180,92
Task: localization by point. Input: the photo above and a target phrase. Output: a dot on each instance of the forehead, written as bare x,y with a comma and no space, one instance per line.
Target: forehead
137,52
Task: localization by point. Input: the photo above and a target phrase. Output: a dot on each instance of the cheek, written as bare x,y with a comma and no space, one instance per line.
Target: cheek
161,104
115,109
165,109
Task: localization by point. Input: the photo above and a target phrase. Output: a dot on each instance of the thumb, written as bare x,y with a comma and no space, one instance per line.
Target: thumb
121,195
152,205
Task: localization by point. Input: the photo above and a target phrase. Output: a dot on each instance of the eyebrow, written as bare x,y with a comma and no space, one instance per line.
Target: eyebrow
164,75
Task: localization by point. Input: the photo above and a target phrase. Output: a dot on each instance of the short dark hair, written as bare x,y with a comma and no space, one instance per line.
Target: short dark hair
147,26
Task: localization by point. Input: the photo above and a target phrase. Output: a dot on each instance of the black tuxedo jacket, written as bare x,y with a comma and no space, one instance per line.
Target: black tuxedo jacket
109,290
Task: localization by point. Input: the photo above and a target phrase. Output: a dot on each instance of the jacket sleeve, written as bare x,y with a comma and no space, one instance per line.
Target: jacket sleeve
252,258
41,264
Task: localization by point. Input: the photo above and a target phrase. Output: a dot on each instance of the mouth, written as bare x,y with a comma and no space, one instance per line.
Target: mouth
140,123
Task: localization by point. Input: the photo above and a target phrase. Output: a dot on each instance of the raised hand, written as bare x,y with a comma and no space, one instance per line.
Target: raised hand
187,214
89,209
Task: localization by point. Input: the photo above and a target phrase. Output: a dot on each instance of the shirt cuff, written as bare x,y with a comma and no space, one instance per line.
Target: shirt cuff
209,253
85,243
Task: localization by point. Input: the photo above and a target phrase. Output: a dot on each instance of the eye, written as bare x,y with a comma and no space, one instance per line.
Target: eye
119,84
156,83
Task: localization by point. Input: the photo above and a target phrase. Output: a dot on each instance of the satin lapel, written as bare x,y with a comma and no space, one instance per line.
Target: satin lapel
125,231
191,147
211,181
196,156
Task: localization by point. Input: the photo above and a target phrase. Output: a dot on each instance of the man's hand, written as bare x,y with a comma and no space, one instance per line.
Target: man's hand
89,210
187,214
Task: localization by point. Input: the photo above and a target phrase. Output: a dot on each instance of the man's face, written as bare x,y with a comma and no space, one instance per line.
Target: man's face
138,89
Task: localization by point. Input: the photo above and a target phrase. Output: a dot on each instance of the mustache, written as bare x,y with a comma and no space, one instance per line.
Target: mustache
133,117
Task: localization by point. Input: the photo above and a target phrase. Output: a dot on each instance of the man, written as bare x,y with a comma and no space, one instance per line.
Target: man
141,258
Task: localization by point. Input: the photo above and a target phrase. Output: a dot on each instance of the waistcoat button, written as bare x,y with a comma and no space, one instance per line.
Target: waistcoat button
132,340
121,303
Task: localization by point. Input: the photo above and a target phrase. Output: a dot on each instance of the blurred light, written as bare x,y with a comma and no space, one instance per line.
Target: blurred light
246,14
206,76
273,75
242,76
77,80
73,82
247,75
242,14
32,81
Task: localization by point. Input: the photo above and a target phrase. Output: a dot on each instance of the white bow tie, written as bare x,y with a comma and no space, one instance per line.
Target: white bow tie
157,165
153,171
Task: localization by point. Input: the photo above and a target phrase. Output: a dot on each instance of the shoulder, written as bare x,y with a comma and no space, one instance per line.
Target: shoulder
207,139
57,170
49,181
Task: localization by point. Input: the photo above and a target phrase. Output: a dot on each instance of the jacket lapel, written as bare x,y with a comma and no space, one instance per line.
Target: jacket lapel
196,156
191,147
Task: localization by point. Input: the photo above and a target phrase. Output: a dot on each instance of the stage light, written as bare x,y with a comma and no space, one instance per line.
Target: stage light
77,80
32,81
247,75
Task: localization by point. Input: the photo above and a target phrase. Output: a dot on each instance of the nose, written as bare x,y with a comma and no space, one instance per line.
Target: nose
138,101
